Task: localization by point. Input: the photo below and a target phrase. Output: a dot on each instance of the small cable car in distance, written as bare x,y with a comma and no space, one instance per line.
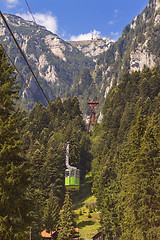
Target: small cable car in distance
72,174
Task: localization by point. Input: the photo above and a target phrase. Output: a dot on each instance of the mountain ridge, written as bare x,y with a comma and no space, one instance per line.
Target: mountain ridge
93,47
54,61
59,64
138,47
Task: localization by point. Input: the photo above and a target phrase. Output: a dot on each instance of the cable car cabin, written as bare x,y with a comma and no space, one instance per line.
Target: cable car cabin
72,179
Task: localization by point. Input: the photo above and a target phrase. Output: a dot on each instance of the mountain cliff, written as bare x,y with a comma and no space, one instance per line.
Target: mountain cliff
68,68
94,47
54,61
138,47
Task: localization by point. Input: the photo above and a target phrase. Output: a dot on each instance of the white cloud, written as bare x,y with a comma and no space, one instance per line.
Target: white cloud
111,22
11,3
86,36
115,17
46,20
116,13
115,35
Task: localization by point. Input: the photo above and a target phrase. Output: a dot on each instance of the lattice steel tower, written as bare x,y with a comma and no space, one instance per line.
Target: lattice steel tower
92,119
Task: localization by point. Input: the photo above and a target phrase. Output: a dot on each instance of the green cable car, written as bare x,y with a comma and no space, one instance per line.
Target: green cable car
72,174
72,179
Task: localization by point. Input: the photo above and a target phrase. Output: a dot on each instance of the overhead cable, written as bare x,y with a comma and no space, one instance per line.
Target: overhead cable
30,11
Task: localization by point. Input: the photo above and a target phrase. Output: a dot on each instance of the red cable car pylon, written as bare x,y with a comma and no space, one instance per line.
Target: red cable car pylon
92,119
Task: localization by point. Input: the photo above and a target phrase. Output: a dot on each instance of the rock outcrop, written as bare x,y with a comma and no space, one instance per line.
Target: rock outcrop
138,47
94,47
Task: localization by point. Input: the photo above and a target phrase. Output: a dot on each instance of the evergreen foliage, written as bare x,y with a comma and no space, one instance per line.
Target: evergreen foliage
71,70
126,158
51,213
125,146
14,169
66,229
82,87
46,134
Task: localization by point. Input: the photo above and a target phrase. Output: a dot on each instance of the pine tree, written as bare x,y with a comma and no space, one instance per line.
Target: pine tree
55,165
14,171
66,226
51,213
140,189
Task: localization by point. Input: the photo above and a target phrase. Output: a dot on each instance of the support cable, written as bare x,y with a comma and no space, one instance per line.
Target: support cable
24,56
30,12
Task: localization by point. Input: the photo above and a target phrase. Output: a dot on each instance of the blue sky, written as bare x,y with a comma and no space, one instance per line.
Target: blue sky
78,19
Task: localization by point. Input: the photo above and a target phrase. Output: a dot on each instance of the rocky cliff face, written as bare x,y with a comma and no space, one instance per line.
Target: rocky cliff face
138,47
57,63
54,61
142,56
57,46
94,47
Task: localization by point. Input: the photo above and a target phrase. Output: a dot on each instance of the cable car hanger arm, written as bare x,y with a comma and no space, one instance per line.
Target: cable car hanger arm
67,158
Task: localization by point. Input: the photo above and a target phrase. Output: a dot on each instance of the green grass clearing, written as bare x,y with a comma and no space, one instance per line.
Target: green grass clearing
85,205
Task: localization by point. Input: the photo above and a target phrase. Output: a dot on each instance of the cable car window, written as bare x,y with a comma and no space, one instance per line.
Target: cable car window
72,173
67,174
77,174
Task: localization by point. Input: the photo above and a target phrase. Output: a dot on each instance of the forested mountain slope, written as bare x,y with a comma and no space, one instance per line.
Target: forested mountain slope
46,133
54,61
126,149
32,158
138,47
64,70
123,152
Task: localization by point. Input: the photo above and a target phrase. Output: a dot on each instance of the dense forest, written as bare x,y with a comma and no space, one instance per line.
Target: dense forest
63,70
32,157
122,154
47,131
126,150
